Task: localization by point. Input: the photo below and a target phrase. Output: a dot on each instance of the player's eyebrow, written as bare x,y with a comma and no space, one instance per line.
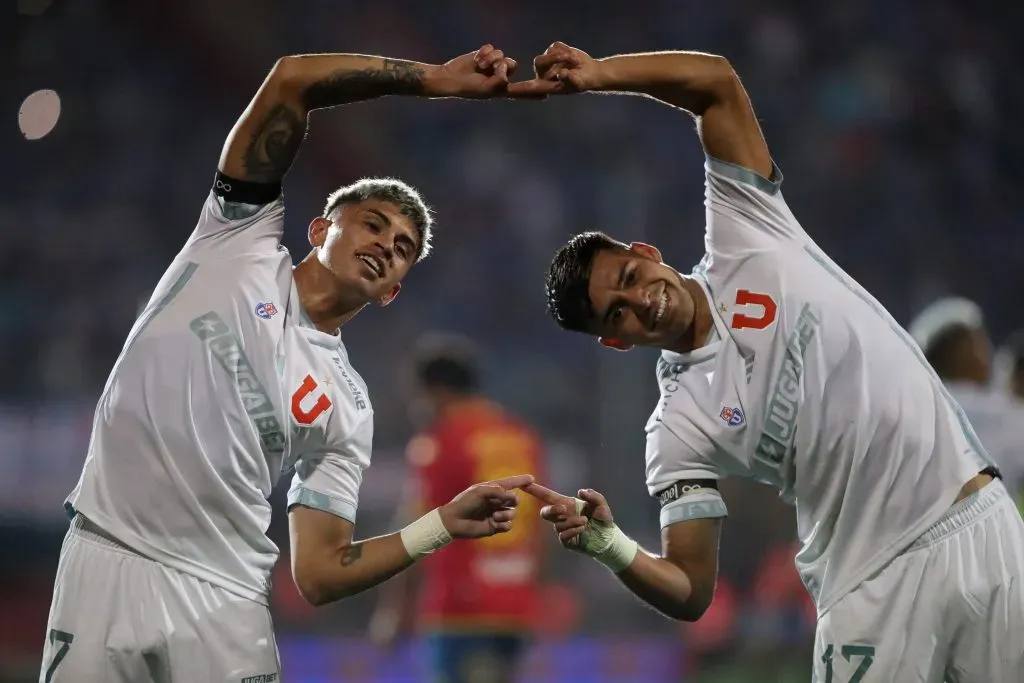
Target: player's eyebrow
381,215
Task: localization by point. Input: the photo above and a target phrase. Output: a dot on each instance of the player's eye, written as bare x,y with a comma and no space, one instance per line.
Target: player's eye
616,316
630,276
372,225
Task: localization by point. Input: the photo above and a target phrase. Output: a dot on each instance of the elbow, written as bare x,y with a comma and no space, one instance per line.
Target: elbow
691,610
312,585
723,81
286,73
310,588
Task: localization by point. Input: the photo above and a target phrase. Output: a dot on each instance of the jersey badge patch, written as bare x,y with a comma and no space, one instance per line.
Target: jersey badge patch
266,310
731,416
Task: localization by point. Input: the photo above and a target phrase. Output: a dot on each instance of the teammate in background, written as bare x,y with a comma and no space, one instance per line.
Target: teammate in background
235,373
778,366
477,603
953,337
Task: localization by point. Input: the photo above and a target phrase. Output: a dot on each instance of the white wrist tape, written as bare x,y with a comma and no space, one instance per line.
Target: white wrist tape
425,535
605,542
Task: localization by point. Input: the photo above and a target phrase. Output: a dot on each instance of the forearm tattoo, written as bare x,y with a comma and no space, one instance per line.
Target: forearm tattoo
394,77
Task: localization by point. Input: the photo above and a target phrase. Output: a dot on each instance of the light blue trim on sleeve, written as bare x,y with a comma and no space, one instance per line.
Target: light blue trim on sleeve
769,186
703,506
321,501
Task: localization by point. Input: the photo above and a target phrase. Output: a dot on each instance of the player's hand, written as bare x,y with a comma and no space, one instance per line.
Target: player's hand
475,75
484,509
561,511
561,70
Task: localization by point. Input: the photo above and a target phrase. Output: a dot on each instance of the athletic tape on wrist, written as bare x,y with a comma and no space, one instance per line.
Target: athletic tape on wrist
605,542
425,535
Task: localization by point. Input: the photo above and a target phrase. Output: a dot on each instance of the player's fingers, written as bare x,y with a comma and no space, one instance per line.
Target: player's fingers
491,59
532,89
500,76
504,515
592,497
553,513
570,523
570,534
519,481
482,53
501,527
543,493
511,65
498,497
542,63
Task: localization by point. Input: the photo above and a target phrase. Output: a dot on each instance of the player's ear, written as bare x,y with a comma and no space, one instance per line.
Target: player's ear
648,250
390,296
611,343
318,231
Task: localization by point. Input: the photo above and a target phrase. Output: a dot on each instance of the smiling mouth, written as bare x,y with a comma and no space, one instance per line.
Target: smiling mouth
374,263
662,306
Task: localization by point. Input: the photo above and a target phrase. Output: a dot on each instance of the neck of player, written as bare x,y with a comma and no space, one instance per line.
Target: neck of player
327,306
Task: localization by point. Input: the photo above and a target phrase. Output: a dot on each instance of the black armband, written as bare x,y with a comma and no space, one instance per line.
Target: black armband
243,191
683,488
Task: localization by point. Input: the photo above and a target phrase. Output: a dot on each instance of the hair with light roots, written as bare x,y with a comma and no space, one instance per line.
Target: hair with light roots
408,201
568,281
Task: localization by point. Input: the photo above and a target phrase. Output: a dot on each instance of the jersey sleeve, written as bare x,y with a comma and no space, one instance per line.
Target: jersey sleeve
684,482
238,218
745,212
330,481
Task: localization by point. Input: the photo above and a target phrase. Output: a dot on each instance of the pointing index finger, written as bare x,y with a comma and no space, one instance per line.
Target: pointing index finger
519,481
545,494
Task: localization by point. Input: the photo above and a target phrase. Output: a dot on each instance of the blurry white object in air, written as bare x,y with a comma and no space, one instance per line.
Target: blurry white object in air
38,114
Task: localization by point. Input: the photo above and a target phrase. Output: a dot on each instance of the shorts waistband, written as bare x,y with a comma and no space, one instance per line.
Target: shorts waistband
80,526
962,514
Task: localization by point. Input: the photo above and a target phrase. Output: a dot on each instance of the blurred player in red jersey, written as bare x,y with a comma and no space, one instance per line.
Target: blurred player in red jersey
475,604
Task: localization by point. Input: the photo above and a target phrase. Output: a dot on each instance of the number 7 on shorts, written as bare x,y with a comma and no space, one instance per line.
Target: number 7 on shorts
65,639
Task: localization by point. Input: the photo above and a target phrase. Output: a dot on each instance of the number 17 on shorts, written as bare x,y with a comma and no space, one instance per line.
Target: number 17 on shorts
851,661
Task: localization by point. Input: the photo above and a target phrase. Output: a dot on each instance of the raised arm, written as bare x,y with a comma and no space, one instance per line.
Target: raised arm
679,583
704,85
267,136
328,564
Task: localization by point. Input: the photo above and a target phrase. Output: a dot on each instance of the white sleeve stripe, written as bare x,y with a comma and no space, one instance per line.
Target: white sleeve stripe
321,501
746,176
705,505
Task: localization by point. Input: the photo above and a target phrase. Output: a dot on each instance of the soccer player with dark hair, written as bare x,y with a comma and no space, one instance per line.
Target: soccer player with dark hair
776,365
477,603
234,374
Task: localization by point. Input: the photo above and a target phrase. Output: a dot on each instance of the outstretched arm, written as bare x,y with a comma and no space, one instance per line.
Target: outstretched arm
267,136
680,583
704,85
328,564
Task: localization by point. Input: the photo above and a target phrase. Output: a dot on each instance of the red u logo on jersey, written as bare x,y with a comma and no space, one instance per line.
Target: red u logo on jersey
322,404
769,309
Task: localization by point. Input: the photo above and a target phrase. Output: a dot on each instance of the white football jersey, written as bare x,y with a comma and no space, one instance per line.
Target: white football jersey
222,386
998,420
807,384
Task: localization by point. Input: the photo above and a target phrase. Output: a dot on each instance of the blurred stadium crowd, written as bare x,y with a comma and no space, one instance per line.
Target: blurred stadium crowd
894,125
